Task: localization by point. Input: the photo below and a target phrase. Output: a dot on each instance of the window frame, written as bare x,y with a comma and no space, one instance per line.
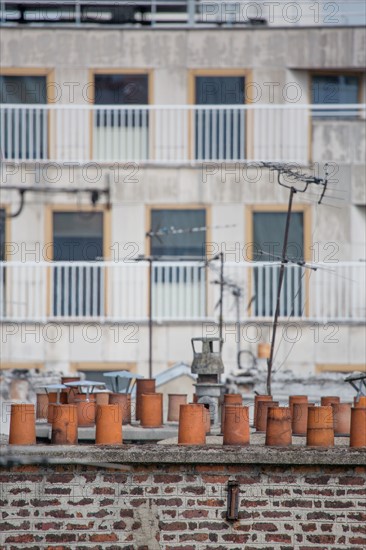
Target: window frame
182,206
280,208
48,234
49,73
124,71
247,74
331,72
116,71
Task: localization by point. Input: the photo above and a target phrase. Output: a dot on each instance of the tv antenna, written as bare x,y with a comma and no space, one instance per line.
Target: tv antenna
305,180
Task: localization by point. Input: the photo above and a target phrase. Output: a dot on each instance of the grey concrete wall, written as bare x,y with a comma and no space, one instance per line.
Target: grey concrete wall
273,55
226,190
57,345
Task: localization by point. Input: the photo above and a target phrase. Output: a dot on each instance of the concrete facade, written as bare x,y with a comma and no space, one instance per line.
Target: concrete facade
275,60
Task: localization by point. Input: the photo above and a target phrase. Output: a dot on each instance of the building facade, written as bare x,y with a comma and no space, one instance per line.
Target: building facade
126,144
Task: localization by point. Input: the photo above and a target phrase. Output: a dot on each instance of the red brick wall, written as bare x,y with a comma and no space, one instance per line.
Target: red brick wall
182,507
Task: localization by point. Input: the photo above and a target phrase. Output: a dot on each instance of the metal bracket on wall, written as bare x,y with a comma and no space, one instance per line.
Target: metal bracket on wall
232,512
93,192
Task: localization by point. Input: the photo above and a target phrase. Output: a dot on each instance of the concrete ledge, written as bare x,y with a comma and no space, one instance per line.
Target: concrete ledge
172,454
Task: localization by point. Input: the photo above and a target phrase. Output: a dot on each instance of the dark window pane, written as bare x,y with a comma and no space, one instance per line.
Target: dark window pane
23,89
184,244
219,90
121,89
268,233
335,89
219,134
77,236
78,291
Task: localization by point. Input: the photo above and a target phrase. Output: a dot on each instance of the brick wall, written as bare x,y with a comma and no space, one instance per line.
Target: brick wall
148,506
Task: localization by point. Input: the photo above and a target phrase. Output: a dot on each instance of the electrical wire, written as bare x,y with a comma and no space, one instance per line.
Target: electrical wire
288,319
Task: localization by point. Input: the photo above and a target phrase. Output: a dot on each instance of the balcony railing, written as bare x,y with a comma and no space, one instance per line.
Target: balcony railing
181,291
188,13
176,134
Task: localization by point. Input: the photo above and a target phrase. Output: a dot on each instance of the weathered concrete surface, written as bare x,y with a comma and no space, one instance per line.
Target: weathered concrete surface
173,454
71,49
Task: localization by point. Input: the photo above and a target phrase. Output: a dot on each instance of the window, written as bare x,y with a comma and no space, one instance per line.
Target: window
78,290
121,89
121,133
24,134
335,89
23,89
268,234
178,288
191,244
77,236
219,133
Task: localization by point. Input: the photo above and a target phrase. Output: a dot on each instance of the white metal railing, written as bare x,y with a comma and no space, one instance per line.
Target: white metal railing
164,133
189,13
181,291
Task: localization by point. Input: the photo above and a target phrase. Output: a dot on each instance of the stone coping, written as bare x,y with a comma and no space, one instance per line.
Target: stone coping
106,456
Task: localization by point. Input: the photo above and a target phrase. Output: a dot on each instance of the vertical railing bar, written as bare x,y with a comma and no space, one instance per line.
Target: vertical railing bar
16,134
73,291
130,155
10,135
38,133
260,292
199,134
3,138
67,291
174,313
206,134
235,134
59,289
108,138
88,296
267,292
94,292
227,132
44,147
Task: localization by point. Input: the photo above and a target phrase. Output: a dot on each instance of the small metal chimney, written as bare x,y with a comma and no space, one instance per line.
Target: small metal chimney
207,364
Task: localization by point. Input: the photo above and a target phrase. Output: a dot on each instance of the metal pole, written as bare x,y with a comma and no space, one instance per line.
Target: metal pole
237,297
280,281
150,317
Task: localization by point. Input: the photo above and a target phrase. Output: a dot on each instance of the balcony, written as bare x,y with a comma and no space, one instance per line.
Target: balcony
180,292
175,134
